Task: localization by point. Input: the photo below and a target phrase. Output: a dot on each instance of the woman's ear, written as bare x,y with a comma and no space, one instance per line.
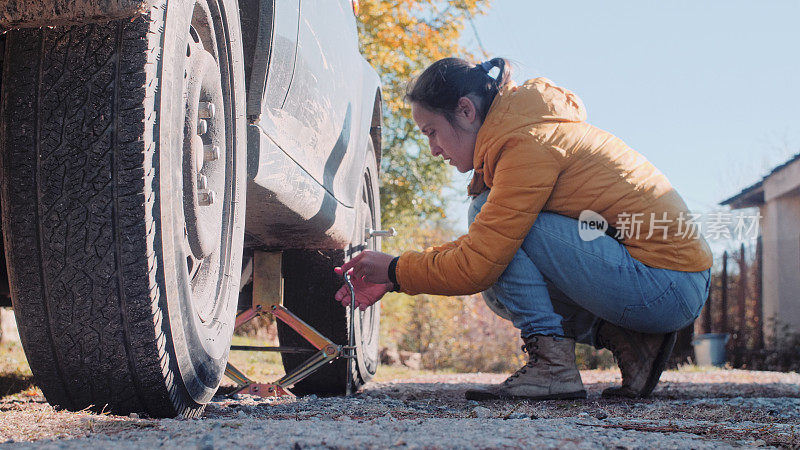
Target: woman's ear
467,109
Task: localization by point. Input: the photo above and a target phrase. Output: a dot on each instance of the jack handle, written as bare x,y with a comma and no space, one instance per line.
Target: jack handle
371,232
351,340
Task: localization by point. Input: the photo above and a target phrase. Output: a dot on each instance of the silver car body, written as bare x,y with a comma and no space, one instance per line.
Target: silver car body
314,109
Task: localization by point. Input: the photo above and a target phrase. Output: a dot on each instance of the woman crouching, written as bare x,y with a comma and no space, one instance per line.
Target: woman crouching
573,237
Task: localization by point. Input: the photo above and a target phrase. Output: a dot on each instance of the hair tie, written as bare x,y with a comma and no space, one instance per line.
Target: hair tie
491,70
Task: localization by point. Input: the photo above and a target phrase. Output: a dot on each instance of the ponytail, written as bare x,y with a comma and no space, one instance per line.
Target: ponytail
444,82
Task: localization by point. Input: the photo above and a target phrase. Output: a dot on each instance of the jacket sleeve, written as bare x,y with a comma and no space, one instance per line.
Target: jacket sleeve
523,179
446,245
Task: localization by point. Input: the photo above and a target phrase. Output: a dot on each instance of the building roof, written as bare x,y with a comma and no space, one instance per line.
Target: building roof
753,195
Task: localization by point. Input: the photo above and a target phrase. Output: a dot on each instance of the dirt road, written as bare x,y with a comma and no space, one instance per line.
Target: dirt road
690,409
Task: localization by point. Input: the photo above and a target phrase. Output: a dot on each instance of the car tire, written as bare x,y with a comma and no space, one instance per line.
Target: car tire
124,287
309,288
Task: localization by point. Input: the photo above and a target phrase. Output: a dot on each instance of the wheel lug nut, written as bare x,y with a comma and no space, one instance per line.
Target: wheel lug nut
202,127
205,198
202,183
211,152
207,110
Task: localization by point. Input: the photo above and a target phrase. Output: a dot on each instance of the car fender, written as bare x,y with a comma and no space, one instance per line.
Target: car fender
39,13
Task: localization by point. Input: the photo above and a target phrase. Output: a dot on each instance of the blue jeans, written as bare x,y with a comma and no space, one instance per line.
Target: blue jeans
559,284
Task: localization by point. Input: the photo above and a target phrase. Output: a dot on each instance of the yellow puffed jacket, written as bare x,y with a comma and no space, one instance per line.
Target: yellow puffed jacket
536,153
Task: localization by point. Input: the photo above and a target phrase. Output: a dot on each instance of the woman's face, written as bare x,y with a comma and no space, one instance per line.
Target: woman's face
455,142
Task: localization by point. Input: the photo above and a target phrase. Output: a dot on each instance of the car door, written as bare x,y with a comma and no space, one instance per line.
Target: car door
274,52
316,124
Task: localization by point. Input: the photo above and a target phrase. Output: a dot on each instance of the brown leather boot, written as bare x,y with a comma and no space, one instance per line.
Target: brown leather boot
549,374
641,358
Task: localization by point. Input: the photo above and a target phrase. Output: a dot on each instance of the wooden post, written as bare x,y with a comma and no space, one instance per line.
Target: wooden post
743,331
708,309
723,307
758,307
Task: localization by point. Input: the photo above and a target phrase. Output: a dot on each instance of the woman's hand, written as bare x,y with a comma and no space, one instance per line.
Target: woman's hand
372,267
367,294
369,273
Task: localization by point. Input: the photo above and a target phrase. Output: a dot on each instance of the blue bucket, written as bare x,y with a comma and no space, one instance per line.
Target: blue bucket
709,349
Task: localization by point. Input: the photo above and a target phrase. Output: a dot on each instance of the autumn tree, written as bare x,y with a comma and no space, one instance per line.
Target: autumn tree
400,38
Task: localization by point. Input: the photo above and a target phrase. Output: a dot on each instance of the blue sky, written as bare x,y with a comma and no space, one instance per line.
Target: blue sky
707,91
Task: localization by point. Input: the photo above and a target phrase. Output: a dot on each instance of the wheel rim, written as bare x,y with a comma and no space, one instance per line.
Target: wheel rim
366,321
208,168
204,173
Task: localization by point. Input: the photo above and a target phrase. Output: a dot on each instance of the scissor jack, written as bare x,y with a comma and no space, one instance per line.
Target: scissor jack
327,351
267,295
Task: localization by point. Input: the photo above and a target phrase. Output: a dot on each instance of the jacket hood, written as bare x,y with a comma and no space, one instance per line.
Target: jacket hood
537,101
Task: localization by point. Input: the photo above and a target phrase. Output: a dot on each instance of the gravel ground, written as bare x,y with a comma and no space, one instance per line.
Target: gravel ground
691,408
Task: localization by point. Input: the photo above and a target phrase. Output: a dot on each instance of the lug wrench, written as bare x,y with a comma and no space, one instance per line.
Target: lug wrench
351,340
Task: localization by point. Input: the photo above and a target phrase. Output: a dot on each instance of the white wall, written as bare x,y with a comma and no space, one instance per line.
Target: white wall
781,240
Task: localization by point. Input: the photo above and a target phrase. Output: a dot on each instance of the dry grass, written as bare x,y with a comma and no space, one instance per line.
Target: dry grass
259,366
32,419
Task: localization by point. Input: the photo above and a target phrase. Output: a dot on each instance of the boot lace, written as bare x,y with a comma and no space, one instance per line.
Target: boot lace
533,358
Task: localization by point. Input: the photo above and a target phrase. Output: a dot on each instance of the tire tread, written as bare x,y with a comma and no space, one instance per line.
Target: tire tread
79,215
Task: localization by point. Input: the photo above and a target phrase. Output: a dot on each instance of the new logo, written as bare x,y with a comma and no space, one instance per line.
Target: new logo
591,225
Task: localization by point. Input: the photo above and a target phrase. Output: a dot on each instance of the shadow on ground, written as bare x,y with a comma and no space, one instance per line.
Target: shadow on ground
14,383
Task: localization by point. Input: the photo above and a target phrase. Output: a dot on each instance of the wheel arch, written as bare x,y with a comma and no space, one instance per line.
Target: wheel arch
39,13
375,127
